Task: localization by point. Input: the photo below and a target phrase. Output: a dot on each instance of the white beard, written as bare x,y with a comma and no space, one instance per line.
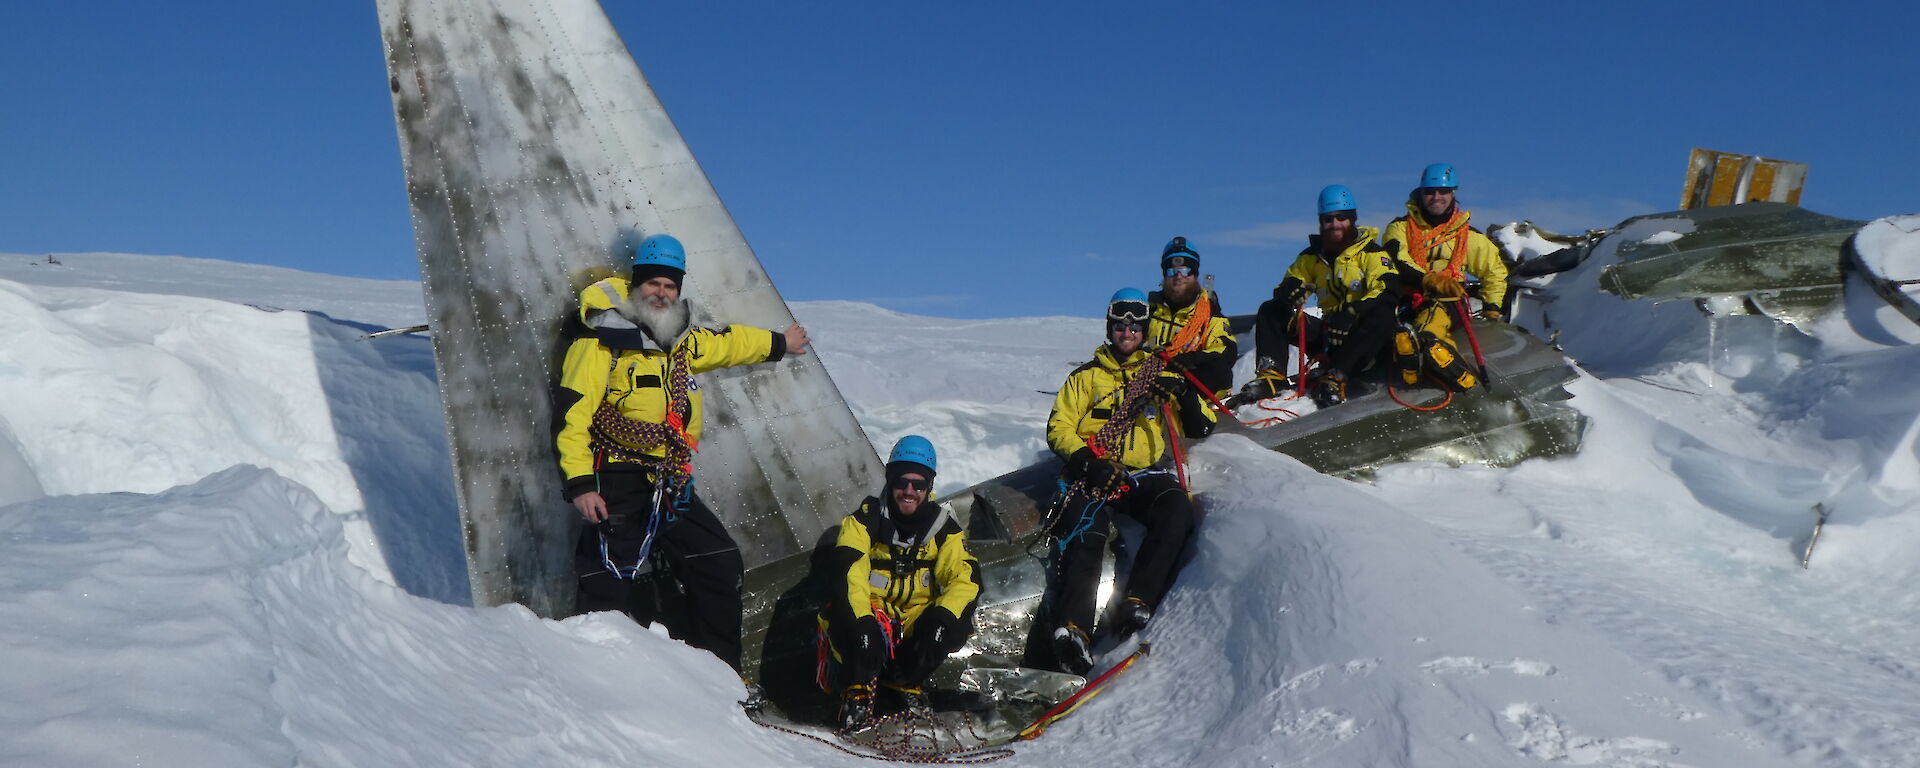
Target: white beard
665,325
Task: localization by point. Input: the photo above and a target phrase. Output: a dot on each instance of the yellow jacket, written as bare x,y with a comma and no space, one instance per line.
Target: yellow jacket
635,380
1482,258
1358,273
904,577
1087,399
1217,346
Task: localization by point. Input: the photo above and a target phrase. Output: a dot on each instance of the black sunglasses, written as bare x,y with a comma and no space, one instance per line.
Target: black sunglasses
904,483
1336,216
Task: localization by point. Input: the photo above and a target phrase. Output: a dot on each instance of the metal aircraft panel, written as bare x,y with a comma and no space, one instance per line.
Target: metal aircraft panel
536,157
1731,251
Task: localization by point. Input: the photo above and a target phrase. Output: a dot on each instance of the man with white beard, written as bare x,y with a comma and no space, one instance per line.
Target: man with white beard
629,420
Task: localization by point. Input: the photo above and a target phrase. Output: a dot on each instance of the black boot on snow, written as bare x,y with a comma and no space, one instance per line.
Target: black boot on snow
756,699
1071,649
910,698
1330,389
1265,383
1133,616
856,707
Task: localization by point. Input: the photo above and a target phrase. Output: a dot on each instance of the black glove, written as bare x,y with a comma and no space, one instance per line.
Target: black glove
1093,471
1196,360
1336,326
935,636
1292,292
1170,386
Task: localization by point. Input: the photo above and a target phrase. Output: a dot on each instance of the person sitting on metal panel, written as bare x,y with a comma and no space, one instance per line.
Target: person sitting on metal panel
1353,278
905,591
1109,423
1438,249
629,421
1209,349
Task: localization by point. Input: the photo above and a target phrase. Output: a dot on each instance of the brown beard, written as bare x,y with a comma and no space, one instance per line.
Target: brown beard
1179,298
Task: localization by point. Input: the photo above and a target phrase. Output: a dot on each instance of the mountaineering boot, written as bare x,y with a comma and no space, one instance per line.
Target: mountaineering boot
856,707
1407,354
1447,363
756,697
911,698
1330,388
1265,383
1071,649
1133,616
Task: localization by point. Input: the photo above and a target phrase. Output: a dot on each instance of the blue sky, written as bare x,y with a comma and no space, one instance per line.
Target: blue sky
989,159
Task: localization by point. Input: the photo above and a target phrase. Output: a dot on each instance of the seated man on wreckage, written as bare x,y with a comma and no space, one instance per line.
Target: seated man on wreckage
1187,325
903,591
1109,423
1356,282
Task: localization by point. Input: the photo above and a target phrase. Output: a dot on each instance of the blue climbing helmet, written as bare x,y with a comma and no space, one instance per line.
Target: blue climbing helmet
912,454
1127,305
1336,198
660,256
1439,175
1178,248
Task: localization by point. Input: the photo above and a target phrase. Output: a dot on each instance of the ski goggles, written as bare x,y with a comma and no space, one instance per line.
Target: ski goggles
1180,271
1127,312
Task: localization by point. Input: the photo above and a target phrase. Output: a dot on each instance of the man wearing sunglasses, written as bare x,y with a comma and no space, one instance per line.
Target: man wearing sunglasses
1438,249
1107,423
1353,279
906,591
1208,352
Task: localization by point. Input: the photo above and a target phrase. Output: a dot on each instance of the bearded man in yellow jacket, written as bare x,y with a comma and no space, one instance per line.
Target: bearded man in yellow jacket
1108,423
1438,249
905,591
1353,279
629,420
1206,350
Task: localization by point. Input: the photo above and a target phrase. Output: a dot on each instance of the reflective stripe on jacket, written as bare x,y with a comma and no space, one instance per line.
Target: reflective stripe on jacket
904,579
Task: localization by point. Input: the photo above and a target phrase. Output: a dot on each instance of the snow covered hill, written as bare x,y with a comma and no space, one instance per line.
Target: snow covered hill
228,539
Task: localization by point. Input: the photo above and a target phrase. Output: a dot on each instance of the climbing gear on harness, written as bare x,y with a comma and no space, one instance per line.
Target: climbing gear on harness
615,435
662,511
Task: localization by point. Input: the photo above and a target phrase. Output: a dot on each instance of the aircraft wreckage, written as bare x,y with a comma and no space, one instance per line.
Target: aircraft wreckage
536,155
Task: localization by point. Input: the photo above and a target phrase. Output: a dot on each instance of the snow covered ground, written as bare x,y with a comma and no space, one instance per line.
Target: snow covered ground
228,539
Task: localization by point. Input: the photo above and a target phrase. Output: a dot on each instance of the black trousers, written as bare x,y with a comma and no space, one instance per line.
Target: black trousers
864,657
699,553
1159,503
1372,331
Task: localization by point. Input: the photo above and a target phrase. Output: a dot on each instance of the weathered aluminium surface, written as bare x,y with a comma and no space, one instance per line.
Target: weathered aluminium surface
536,156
